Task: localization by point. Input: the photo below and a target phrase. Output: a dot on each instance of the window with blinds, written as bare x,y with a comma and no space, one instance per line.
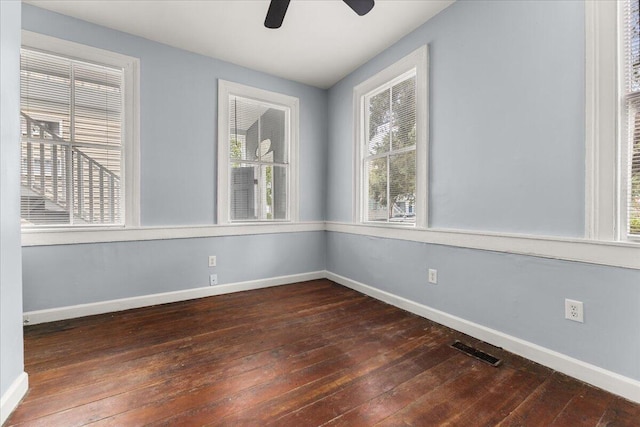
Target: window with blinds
258,160
72,141
630,147
389,155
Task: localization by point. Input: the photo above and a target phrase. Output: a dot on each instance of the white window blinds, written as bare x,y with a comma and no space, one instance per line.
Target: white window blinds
72,144
389,161
259,160
630,147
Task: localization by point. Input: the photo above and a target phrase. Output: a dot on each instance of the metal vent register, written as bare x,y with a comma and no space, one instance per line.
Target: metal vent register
480,355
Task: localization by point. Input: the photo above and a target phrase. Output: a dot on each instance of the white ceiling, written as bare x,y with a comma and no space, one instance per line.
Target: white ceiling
319,43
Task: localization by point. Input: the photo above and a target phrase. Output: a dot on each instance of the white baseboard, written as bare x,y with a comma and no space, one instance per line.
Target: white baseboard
74,311
602,378
13,396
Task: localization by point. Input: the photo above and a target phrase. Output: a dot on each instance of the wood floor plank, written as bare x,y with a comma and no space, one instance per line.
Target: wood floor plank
437,406
394,400
307,354
292,377
585,409
545,403
364,389
620,412
498,400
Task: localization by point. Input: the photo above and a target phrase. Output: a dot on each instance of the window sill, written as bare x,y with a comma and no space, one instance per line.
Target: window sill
50,236
610,253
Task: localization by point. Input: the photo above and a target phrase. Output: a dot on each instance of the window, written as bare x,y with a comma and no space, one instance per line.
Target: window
391,141
630,144
74,118
257,155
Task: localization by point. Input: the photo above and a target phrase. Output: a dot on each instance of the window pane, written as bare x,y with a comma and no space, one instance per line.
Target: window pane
402,186
43,179
98,104
634,46
272,136
256,131
258,192
45,90
379,123
96,186
404,114
243,191
633,208
377,200
273,192
631,152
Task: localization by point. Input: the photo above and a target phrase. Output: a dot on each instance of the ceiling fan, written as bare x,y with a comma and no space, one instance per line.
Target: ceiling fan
278,8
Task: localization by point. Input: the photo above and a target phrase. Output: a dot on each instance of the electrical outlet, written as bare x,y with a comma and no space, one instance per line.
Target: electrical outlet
213,279
573,310
212,260
433,276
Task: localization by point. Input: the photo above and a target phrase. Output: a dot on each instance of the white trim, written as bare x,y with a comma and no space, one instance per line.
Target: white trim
601,120
225,88
607,380
81,310
418,60
131,68
100,235
617,254
12,397
132,144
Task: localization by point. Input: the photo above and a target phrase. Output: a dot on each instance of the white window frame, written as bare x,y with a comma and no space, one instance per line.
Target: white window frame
131,153
417,60
225,90
606,133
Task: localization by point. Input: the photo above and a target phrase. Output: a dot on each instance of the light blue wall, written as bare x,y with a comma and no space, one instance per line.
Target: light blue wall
178,92
53,278
178,114
506,111
507,155
11,358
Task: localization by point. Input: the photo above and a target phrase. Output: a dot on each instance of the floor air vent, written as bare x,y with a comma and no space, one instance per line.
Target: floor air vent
480,355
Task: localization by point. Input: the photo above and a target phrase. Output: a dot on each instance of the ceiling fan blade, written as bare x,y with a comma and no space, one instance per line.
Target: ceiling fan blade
361,7
276,12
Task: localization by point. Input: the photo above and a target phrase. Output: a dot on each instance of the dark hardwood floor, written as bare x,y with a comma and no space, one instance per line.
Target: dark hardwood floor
306,354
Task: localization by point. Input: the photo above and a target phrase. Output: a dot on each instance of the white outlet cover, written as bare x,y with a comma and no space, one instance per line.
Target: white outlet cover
212,260
574,310
213,279
433,276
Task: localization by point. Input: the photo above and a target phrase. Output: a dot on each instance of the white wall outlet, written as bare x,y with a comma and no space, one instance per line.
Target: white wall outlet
212,260
433,276
573,310
213,279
